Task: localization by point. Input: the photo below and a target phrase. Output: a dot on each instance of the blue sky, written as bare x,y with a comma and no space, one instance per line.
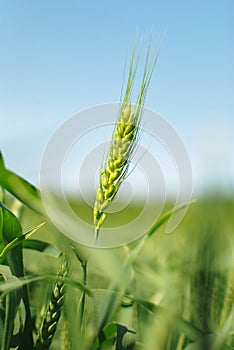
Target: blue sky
59,57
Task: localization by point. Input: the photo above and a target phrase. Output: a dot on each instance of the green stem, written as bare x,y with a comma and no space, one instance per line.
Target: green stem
84,266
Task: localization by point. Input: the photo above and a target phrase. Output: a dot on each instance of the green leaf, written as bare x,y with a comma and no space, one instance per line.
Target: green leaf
24,281
117,337
140,243
1,224
12,303
41,246
107,337
15,242
165,217
2,163
11,231
2,194
20,188
126,338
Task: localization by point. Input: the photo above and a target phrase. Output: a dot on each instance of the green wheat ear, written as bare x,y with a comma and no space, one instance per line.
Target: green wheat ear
124,140
50,314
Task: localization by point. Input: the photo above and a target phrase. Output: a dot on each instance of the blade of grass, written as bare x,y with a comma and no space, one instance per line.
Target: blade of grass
81,305
162,220
15,242
20,188
23,281
12,303
11,230
165,217
41,246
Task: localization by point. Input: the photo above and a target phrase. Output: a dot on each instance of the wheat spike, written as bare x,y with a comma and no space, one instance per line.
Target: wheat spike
123,143
52,313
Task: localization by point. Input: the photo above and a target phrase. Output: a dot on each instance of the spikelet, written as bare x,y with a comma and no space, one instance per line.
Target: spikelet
51,314
123,143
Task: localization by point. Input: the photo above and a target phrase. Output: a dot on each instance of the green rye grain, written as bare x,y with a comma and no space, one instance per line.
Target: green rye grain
51,314
124,140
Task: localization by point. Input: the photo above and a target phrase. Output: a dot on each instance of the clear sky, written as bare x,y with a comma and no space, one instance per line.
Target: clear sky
59,57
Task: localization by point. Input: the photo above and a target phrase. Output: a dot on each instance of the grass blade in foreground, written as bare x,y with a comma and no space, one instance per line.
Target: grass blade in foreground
124,140
11,230
20,188
12,302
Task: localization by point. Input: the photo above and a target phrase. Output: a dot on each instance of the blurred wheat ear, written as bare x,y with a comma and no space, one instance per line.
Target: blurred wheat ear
50,315
124,139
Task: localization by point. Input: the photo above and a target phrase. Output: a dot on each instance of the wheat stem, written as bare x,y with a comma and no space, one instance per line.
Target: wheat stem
81,308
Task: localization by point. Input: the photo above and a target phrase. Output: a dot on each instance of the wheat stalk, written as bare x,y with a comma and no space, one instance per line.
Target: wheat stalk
124,141
51,314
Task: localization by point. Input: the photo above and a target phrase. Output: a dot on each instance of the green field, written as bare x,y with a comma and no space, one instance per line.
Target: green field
166,291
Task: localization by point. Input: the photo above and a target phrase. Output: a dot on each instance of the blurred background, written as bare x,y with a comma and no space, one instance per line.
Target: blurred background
58,58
